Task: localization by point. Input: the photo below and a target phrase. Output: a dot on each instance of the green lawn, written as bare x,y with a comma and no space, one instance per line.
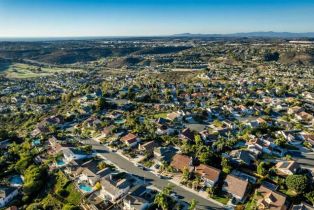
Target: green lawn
160,115
74,197
23,71
250,205
221,199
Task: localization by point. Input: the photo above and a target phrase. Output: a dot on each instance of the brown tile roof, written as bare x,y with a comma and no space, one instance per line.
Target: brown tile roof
180,162
269,199
236,186
172,116
208,172
130,138
107,130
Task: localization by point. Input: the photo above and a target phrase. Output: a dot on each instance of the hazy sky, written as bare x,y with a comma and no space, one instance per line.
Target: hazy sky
35,18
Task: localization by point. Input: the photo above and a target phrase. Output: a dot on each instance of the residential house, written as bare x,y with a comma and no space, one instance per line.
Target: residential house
305,117
108,131
208,137
291,137
236,187
147,148
175,116
295,109
269,199
242,157
164,130
187,135
130,140
209,175
55,146
139,199
302,206
40,129
7,194
287,167
162,154
75,154
89,172
308,138
181,162
114,189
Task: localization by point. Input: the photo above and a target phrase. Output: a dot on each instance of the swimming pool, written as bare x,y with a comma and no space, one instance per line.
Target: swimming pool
16,180
85,188
36,142
60,162
120,121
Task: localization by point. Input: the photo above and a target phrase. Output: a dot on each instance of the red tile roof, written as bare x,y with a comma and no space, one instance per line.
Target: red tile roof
129,138
180,162
208,172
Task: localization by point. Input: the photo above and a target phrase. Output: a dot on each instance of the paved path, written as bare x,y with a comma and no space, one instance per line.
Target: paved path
149,177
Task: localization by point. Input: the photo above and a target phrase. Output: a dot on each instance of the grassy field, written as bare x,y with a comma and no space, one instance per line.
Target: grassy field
160,115
23,71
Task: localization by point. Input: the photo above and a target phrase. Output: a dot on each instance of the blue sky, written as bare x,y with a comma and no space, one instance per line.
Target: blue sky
36,18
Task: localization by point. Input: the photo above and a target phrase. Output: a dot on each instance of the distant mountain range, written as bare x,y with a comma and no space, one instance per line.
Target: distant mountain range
268,34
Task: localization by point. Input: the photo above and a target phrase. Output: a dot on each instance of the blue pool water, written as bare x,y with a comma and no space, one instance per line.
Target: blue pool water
36,142
85,188
16,180
60,162
120,121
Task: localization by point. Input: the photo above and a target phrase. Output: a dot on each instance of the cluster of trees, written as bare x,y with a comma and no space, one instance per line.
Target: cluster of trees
271,56
41,100
34,179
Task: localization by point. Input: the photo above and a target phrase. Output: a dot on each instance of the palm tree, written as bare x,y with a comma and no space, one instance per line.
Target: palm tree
193,204
185,175
161,199
196,182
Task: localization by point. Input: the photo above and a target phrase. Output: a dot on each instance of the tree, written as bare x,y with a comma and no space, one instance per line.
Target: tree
70,207
226,167
101,165
33,180
205,157
101,103
193,204
310,196
261,170
34,206
198,140
269,56
297,183
23,163
162,198
280,140
185,175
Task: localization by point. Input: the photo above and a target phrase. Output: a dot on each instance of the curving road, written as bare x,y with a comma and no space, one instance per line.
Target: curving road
148,176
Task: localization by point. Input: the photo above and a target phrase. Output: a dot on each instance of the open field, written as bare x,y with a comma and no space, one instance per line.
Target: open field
23,71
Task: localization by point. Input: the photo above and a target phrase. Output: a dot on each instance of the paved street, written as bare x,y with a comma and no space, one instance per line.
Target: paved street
148,176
